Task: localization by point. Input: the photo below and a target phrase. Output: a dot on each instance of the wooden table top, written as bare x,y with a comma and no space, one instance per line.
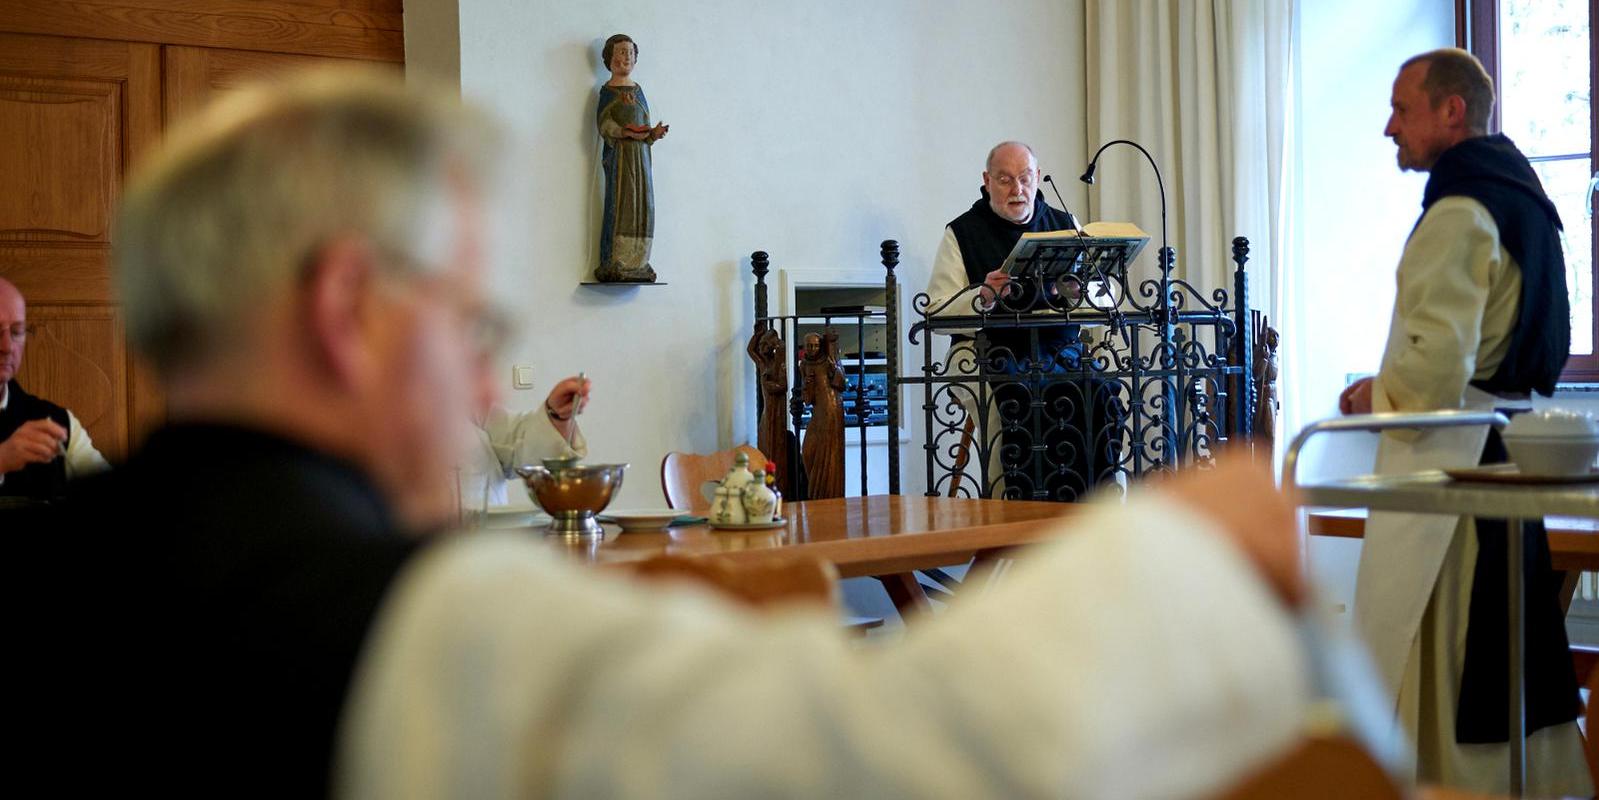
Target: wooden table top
1573,541
874,535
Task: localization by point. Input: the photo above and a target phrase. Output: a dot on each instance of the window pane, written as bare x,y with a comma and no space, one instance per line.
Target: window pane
1566,182
1543,65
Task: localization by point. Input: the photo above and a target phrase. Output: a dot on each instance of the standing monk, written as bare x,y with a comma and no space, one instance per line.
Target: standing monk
1480,321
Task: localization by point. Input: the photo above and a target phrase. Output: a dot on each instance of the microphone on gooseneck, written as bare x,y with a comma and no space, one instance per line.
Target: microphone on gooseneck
1070,217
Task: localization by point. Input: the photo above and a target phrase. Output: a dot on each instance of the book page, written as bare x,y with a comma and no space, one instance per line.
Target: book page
1133,236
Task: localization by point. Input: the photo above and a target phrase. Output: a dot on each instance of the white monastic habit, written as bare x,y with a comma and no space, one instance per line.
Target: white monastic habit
506,441
1458,293
499,669
949,294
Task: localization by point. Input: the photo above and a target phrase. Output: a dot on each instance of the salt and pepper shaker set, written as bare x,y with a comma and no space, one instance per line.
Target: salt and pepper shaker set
745,498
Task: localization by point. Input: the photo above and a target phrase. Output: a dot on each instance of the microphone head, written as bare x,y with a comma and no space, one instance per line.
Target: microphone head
1088,174
1049,180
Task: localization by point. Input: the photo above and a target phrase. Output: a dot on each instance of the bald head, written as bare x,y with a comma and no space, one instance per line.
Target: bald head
13,331
1011,178
1012,149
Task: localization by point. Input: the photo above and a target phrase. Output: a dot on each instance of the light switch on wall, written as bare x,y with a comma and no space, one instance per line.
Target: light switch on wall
521,377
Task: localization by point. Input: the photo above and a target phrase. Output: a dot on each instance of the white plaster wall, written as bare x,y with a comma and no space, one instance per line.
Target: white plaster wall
1355,210
810,130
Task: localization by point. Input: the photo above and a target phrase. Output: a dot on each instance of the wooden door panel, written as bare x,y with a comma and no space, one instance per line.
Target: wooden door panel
343,28
56,275
76,357
196,75
60,148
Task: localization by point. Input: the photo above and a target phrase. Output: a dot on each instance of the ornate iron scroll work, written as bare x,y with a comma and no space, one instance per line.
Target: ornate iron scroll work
1164,381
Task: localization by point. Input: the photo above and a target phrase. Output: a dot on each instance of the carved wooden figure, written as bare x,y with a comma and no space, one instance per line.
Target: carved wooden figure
766,350
823,386
1265,357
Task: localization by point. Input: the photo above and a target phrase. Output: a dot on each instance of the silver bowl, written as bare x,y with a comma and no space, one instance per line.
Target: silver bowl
573,494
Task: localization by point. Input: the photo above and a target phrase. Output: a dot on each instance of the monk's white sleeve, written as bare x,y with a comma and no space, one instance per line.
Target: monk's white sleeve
82,457
1443,287
526,438
498,670
948,283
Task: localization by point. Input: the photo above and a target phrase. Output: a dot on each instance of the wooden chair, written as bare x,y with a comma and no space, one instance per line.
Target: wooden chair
682,475
963,456
1330,767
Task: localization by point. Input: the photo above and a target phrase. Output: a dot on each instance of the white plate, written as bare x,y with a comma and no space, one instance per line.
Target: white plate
644,519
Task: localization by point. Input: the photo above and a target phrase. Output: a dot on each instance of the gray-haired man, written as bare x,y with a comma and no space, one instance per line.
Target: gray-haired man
303,268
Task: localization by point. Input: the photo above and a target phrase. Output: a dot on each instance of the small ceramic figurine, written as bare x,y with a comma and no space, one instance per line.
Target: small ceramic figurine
760,503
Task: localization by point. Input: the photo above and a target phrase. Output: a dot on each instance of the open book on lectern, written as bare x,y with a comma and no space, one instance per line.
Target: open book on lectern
1123,235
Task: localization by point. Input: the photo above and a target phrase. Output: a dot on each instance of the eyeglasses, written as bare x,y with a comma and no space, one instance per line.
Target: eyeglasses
1007,181
488,328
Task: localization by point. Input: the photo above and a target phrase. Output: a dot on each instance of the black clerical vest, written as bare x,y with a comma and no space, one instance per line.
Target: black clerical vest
46,481
985,239
207,604
1490,170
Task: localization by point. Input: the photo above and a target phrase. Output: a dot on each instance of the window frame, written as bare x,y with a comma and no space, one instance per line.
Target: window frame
1477,30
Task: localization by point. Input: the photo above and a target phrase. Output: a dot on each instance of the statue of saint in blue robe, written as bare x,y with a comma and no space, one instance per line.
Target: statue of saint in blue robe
628,223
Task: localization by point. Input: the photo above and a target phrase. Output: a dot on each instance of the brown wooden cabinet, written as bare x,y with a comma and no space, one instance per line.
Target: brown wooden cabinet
86,88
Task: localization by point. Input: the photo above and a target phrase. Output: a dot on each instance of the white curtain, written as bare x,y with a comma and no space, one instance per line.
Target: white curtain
1206,87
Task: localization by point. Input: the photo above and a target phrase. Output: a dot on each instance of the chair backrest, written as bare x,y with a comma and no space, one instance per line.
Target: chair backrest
682,474
777,581
1320,767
